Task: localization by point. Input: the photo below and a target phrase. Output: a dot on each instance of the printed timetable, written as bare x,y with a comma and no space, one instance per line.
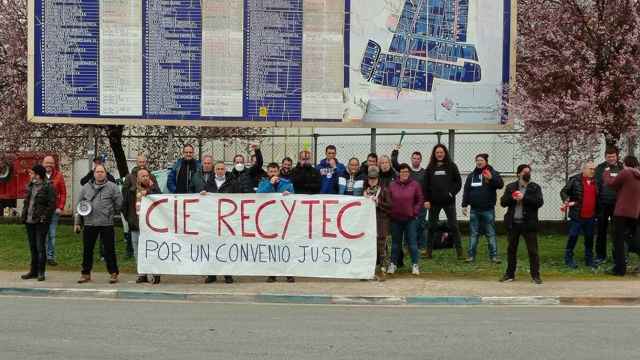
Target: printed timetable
185,60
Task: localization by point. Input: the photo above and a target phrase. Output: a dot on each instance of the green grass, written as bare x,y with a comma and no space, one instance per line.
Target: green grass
14,256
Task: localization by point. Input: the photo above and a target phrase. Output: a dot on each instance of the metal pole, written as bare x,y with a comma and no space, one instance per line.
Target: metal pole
315,147
373,140
452,144
439,135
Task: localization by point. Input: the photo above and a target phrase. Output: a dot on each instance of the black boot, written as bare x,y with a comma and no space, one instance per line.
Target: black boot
228,279
210,279
29,275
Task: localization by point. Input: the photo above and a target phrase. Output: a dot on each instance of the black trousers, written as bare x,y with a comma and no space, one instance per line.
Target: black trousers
625,233
452,224
37,235
107,235
531,239
603,224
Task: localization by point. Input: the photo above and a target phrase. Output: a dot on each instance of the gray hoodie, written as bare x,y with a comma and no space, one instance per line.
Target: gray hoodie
105,205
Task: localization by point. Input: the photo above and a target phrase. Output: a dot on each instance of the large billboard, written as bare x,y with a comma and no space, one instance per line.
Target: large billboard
348,63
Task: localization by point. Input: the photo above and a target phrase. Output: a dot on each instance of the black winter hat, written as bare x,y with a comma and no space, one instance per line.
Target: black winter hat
40,171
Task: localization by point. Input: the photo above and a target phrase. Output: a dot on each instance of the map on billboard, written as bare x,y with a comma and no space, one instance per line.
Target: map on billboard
375,63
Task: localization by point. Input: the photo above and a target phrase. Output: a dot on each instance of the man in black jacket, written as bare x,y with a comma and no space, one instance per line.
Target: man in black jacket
523,198
606,201
580,197
89,177
305,178
248,177
441,185
223,182
480,193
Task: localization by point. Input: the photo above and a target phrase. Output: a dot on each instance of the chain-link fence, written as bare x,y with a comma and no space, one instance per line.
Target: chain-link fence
504,152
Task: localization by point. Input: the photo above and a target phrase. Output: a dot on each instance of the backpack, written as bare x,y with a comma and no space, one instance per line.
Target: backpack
442,237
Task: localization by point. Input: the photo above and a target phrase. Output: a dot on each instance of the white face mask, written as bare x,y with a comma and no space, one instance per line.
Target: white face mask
239,167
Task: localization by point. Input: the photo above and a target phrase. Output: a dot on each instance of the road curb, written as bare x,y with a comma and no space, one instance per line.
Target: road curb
271,298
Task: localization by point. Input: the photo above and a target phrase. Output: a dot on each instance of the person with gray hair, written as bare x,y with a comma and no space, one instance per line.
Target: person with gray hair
202,175
99,201
580,199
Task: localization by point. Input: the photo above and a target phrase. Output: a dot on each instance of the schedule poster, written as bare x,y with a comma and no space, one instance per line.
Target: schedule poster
350,63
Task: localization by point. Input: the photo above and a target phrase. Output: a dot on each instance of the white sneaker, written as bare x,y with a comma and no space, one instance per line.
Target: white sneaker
415,270
392,268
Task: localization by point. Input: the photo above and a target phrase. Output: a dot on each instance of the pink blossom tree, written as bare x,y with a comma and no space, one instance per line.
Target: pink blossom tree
578,77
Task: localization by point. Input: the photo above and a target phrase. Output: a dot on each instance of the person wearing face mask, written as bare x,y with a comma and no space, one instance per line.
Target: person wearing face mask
523,198
305,178
132,196
272,183
248,177
222,182
39,207
180,178
480,193
352,183
285,168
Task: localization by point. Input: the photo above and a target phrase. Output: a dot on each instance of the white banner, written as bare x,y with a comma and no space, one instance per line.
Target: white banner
258,234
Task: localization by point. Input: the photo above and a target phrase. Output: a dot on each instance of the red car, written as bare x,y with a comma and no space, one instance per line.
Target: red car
14,175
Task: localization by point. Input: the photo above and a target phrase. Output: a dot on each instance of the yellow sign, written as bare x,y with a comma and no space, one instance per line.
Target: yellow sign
264,111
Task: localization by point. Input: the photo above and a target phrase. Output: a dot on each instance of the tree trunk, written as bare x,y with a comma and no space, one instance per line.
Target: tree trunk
114,134
631,144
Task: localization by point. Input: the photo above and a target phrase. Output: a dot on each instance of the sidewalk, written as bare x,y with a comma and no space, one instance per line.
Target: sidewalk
394,291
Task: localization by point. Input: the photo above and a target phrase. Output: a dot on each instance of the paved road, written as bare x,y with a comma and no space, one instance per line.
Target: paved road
46,328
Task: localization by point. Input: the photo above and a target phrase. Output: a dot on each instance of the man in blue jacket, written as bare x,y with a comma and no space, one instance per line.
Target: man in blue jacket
180,179
328,172
273,183
480,193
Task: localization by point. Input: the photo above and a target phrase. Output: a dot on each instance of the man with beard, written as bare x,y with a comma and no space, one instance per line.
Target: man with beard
180,179
306,179
285,168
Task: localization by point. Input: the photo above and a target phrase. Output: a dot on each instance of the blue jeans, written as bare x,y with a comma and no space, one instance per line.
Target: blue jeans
421,226
577,226
406,229
51,237
485,220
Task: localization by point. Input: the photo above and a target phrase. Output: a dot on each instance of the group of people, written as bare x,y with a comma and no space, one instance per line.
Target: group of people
409,199
595,197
